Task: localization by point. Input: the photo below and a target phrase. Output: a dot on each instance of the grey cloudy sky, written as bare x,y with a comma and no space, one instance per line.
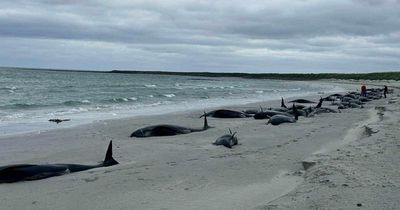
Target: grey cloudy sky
202,35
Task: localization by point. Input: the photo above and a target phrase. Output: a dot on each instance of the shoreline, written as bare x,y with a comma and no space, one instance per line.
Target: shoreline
185,172
170,109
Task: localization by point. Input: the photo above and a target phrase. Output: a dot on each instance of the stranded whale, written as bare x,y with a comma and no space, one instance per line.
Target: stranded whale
279,119
27,172
228,140
302,101
167,130
226,113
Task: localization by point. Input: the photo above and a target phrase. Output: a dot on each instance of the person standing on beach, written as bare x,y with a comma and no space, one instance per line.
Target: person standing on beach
385,91
364,90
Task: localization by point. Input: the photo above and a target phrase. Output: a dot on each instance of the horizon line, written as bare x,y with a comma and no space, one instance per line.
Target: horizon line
183,72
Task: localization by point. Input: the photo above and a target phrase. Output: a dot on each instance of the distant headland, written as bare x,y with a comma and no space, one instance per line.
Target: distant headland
392,75
279,76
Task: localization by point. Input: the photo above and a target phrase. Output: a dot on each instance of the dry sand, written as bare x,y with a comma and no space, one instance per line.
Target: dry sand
356,156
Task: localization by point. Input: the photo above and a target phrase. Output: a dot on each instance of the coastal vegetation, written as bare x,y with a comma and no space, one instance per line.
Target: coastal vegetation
283,76
394,75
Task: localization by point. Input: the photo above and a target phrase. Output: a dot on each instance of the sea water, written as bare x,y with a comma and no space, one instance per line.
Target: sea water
28,98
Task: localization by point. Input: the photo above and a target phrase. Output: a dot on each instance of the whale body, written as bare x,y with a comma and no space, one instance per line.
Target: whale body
28,172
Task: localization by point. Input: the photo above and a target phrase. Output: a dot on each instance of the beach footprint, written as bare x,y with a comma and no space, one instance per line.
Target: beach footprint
90,179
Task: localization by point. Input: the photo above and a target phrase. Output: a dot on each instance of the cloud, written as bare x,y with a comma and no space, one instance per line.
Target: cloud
219,35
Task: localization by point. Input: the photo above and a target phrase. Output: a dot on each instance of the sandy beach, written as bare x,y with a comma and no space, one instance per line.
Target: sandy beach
354,157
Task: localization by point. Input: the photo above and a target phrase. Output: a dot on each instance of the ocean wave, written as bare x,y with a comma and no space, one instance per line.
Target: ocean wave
156,103
123,99
75,103
150,86
120,99
35,105
294,89
74,110
11,117
9,88
169,95
79,109
20,106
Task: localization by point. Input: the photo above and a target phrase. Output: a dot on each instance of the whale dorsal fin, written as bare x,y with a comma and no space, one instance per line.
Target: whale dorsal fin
283,103
109,160
319,105
295,112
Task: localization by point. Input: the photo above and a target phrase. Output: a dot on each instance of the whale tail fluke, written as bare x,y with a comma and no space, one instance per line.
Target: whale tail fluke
205,122
203,115
109,160
232,134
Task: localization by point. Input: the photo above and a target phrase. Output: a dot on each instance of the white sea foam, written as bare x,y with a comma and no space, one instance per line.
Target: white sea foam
150,86
124,99
156,103
169,95
11,88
